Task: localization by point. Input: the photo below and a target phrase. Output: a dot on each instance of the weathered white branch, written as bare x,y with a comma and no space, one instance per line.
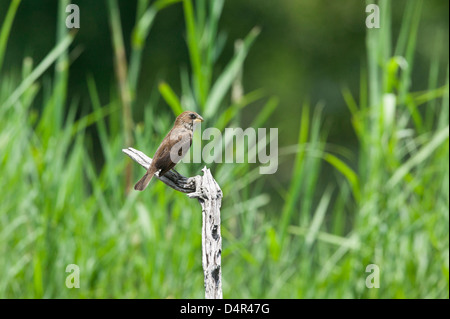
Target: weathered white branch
209,194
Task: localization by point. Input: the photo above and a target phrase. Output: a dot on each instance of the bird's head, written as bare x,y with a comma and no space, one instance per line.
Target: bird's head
188,119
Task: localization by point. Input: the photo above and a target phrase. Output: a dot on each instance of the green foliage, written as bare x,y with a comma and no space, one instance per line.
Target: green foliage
387,204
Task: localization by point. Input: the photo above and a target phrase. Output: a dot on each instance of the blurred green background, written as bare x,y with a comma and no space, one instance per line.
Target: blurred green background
363,147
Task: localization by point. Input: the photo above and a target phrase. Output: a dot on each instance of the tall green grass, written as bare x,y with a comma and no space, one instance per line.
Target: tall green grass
386,205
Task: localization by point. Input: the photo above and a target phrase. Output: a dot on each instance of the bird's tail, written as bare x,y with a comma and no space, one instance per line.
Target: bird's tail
143,182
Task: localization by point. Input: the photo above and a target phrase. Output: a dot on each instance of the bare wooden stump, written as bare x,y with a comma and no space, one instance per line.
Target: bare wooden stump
209,194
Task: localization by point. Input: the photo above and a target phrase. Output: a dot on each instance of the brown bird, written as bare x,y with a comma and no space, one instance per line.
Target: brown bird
172,149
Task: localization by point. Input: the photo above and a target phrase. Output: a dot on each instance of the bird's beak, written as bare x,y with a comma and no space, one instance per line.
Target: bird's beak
198,119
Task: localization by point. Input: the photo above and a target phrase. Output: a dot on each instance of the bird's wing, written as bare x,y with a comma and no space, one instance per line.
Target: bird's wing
171,150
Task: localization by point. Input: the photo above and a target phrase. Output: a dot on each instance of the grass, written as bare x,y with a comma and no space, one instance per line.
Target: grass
387,204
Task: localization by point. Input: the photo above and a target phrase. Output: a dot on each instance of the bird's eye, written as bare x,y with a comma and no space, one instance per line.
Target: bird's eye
192,116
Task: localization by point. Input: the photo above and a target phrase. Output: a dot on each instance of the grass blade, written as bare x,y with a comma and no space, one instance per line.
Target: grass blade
171,98
223,83
39,70
424,153
6,28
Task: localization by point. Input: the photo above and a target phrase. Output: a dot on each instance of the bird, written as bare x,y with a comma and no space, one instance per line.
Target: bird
172,149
